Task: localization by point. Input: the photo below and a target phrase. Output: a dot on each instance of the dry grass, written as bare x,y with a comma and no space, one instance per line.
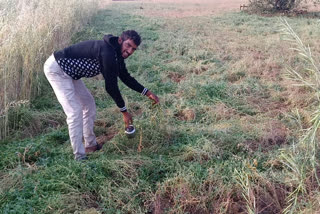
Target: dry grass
187,8
30,31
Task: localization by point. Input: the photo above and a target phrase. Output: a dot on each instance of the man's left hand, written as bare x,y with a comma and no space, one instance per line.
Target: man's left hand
153,97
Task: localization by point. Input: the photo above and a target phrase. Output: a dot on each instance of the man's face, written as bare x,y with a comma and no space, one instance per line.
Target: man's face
127,47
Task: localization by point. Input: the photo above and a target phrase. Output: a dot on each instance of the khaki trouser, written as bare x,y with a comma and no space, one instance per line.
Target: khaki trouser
77,103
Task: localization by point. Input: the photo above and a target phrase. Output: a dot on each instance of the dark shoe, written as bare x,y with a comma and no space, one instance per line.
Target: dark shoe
83,158
93,148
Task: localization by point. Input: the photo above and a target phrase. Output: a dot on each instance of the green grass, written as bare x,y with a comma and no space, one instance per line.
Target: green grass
225,71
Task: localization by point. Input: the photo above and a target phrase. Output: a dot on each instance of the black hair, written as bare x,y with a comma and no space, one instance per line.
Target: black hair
131,34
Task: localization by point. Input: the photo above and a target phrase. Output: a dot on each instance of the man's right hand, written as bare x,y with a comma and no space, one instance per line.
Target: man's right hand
127,118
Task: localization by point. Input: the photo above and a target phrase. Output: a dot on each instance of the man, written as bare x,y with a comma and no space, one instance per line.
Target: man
64,70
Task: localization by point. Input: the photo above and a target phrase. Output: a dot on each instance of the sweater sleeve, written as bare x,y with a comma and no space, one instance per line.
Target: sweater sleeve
109,72
131,82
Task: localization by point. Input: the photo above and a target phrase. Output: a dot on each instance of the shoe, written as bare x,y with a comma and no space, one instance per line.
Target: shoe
93,148
83,158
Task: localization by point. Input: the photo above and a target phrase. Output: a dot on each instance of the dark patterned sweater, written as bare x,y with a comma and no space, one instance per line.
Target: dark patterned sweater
89,58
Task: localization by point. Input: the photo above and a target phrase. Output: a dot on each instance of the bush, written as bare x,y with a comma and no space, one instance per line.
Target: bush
277,5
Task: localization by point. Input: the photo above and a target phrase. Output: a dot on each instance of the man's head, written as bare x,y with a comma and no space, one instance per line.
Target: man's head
129,41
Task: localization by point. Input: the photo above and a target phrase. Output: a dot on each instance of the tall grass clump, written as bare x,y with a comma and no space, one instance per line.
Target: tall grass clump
300,160
29,32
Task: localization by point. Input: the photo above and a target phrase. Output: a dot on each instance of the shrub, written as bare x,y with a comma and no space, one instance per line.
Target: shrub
276,5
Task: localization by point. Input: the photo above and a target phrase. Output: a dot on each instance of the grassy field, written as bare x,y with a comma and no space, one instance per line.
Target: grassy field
225,139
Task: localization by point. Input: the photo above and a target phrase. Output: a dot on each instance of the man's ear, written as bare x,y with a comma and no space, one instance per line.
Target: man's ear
119,40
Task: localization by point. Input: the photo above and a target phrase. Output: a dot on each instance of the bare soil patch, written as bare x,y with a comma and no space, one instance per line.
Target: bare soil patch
274,134
269,198
176,77
108,134
186,115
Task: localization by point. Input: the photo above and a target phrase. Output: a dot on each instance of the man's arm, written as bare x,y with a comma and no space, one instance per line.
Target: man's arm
111,84
109,73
